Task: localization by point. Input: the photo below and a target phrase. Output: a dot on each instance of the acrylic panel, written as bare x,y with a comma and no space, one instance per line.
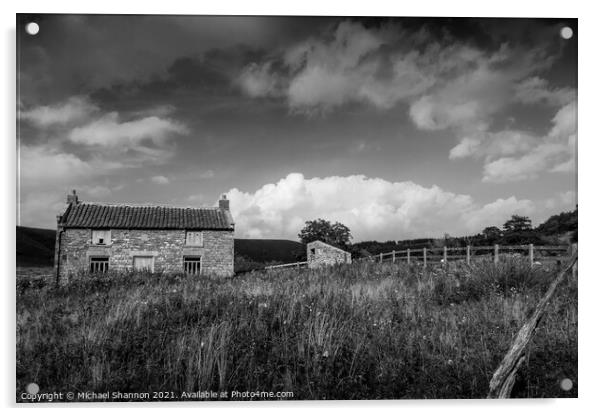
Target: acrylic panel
295,208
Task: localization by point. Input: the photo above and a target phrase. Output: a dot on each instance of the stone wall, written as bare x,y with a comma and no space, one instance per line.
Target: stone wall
166,246
322,254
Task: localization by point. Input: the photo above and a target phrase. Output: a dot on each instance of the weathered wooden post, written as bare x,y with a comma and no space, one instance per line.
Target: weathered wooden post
574,268
381,257
393,255
424,256
444,254
409,256
531,257
467,254
496,254
504,376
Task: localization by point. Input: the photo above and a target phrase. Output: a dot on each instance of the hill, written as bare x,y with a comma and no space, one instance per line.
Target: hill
35,247
265,251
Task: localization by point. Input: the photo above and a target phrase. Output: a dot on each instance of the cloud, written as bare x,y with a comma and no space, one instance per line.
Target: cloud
142,140
109,131
372,207
480,87
562,201
46,174
347,65
160,180
258,80
447,83
95,191
537,90
490,145
554,152
75,109
43,165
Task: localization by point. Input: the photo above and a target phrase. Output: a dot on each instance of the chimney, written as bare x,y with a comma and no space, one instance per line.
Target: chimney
224,203
72,198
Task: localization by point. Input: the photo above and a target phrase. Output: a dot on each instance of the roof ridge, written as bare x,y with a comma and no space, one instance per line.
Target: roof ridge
121,215
146,204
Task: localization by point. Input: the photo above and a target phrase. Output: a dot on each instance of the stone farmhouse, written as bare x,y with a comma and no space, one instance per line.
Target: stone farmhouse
321,254
99,238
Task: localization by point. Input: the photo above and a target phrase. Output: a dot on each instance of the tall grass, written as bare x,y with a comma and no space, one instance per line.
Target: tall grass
361,331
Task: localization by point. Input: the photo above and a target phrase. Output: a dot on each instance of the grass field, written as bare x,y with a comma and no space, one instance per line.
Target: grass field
361,331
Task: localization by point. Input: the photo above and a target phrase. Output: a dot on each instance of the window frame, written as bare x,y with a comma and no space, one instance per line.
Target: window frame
98,264
189,232
192,260
107,234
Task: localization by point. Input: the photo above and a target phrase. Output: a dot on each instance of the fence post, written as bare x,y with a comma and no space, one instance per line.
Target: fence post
531,257
574,268
496,253
393,254
468,254
424,256
444,254
409,256
381,257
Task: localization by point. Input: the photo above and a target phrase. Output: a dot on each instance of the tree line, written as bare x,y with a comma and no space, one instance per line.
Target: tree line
517,230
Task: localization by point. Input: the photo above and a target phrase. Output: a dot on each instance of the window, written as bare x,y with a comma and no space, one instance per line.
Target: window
101,237
194,238
313,251
99,264
192,265
144,263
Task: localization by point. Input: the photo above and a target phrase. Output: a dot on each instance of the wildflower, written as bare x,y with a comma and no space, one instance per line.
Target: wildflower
325,354
450,362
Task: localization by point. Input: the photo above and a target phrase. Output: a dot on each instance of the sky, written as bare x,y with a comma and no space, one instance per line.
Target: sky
397,127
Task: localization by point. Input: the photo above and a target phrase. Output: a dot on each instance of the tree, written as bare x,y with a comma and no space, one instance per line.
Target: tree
335,234
518,224
492,233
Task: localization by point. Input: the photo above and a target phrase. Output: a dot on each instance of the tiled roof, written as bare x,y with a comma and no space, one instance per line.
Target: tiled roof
90,215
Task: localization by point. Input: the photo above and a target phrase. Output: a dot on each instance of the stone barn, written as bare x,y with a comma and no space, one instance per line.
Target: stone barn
100,238
322,254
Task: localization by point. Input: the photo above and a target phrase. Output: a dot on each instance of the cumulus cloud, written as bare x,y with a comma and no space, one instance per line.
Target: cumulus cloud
372,207
554,152
73,110
160,180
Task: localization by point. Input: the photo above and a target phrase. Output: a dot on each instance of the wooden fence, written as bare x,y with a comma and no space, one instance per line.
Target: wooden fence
438,255
287,265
